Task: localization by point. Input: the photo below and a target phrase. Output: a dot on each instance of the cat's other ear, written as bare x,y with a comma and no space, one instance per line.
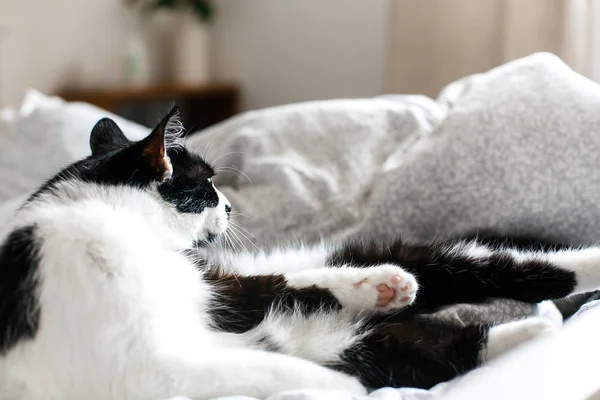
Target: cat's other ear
163,137
107,136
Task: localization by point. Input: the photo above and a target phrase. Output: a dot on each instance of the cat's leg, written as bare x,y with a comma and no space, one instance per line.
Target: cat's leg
251,373
418,352
424,351
470,272
504,337
376,288
380,287
241,302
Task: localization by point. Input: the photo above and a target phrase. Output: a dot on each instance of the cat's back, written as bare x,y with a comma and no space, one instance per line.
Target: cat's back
101,288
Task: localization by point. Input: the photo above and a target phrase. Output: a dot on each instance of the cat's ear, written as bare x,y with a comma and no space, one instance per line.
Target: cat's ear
166,135
107,136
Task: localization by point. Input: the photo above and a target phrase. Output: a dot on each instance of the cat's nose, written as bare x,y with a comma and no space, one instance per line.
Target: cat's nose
227,210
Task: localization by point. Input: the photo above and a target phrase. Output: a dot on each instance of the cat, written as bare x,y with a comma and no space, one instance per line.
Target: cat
101,296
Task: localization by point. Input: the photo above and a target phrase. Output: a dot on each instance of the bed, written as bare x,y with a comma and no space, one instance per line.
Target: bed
513,150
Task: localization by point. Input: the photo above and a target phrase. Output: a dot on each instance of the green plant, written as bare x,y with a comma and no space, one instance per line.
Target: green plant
203,9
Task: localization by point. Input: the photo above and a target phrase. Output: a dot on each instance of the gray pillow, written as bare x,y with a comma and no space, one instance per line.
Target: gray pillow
517,152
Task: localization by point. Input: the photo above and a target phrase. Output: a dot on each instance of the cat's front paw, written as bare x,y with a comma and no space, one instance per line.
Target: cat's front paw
381,288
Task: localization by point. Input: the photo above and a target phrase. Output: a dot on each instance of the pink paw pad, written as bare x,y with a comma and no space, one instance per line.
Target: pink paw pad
387,294
383,287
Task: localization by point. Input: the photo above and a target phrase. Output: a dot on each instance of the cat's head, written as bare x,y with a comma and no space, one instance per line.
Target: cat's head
160,165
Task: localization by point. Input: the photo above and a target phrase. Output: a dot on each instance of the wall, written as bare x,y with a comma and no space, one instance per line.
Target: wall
280,51
294,50
49,44
460,37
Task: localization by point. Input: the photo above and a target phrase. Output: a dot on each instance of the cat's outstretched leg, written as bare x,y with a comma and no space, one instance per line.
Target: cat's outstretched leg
242,302
504,337
470,272
419,351
377,288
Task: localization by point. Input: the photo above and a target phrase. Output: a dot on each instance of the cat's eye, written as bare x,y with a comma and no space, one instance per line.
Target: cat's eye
209,180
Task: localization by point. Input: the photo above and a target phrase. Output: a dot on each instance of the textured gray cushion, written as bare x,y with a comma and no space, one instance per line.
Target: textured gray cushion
517,152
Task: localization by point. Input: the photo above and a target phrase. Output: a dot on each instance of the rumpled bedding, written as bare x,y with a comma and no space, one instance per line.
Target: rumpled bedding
510,150
514,150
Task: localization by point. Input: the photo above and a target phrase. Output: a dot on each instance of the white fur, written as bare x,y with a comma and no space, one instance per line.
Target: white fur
356,288
278,261
502,338
174,132
470,249
321,337
585,263
124,312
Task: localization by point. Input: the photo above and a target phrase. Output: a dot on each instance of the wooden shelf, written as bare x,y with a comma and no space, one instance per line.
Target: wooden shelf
201,105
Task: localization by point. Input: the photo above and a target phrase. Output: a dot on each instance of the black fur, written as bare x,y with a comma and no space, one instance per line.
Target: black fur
19,303
446,279
123,167
117,161
242,302
107,137
189,188
408,347
412,351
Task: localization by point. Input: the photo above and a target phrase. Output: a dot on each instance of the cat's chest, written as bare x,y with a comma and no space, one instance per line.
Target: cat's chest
137,288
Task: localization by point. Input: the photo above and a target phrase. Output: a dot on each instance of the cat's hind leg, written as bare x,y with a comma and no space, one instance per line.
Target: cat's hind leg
504,337
468,272
400,350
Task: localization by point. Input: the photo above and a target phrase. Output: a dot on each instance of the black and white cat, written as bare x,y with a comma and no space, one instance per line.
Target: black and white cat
100,299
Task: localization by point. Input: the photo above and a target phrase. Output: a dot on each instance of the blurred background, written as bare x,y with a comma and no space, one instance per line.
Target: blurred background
221,57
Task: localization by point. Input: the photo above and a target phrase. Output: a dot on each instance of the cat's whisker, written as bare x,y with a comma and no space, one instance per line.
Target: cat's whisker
237,280
233,169
227,154
234,233
244,230
207,147
228,243
240,214
223,169
245,235
241,242
239,230
234,243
